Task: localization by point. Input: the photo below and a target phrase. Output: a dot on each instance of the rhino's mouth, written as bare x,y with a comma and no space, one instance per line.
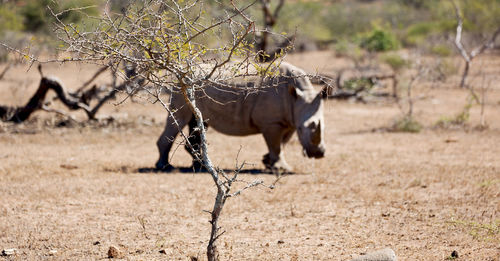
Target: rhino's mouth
316,153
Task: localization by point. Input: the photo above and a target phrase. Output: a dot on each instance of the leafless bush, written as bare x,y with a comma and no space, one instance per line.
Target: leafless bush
477,95
407,122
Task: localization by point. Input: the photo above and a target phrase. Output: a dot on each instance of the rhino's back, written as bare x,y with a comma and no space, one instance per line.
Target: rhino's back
236,112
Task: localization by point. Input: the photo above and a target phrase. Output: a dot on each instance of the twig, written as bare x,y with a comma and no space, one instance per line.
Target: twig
2,74
60,112
249,185
96,74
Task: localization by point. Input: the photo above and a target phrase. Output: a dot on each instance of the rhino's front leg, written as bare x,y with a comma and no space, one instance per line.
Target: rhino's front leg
275,159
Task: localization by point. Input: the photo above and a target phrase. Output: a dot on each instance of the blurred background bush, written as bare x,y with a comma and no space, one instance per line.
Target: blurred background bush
373,25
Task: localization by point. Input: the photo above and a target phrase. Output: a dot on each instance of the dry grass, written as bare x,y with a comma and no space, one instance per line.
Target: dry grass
78,191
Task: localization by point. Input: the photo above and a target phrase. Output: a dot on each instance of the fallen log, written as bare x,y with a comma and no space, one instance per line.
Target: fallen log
80,100
341,91
20,114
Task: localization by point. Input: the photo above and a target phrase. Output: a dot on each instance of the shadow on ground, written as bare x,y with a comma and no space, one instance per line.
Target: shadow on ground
190,170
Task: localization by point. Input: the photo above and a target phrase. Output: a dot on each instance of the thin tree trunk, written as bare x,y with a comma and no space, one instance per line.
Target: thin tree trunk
212,252
410,103
220,199
395,88
465,74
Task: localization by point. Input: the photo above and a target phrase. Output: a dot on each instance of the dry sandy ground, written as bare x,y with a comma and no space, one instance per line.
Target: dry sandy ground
77,190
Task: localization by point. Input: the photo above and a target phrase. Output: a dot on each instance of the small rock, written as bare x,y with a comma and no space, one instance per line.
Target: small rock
52,252
166,252
9,252
96,243
68,166
454,254
450,140
281,242
386,254
114,252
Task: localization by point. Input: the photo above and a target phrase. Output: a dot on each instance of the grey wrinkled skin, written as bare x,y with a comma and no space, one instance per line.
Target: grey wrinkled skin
289,104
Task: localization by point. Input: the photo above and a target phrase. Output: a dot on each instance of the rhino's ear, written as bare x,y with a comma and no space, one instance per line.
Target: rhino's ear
296,93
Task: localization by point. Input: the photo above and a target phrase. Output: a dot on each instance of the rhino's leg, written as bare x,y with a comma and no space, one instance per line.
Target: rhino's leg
275,159
166,139
287,136
195,142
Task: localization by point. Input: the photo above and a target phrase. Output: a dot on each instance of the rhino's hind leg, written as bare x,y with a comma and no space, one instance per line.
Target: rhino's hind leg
166,139
194,146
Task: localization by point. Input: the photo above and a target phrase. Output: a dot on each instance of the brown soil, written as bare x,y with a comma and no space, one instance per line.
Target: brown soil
77,189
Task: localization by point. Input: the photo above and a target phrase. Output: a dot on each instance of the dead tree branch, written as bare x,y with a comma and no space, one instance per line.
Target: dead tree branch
270,19
89,81
469,56
36,102
335,85
79,100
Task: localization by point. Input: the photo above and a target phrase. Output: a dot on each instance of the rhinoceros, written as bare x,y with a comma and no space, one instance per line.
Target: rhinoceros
289,103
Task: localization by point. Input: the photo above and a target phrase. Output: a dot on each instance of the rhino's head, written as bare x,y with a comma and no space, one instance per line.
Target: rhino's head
308,117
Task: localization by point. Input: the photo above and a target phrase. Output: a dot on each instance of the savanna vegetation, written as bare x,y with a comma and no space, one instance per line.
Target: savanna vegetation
412,119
